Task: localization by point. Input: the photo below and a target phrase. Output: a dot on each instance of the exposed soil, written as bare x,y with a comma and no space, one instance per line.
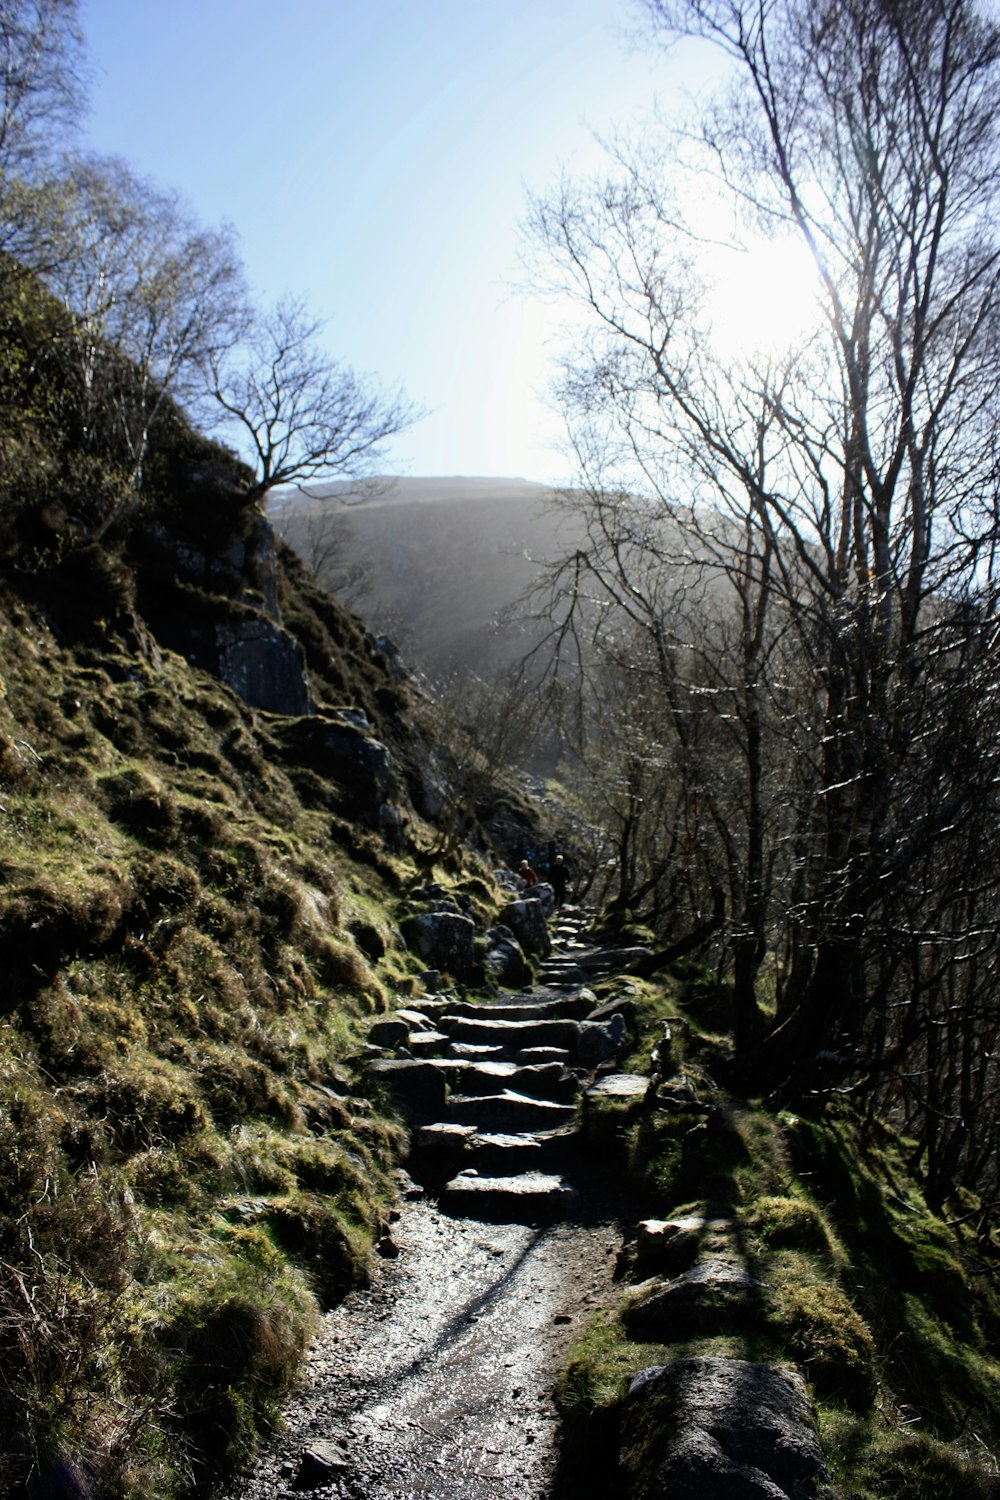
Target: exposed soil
437,1381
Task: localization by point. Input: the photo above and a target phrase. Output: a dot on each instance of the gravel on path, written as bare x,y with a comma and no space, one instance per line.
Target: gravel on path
437,1380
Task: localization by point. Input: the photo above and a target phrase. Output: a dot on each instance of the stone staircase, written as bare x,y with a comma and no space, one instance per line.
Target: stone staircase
492,1088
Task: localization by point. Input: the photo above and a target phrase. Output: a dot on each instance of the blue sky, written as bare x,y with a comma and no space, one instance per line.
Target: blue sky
374,157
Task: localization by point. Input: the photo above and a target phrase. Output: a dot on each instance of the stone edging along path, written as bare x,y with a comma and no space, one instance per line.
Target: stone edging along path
437,1383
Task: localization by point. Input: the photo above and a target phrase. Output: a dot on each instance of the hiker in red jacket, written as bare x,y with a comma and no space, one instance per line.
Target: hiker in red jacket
527,874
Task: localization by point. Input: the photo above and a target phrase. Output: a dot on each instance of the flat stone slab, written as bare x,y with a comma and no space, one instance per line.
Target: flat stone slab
511,1034
474,1050
612,958
534,1193
414,1018
543,1055
487,1076
567,1007
428,1005
618,1086
501,1154
443,1133
426,1042
546,1080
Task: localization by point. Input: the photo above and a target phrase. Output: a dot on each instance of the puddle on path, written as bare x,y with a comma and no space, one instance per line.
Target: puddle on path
437,1381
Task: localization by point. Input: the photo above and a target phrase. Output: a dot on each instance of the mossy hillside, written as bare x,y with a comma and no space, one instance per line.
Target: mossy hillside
889,1312
191,1167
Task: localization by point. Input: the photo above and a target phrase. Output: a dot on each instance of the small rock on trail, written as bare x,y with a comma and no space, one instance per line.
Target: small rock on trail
437,1382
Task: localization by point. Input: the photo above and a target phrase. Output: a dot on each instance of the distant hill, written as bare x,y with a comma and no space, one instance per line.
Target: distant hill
445,560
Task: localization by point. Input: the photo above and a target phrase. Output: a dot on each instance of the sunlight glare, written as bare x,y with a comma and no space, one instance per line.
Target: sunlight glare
764,299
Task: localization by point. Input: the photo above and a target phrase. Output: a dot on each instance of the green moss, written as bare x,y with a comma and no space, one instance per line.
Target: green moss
187,955
822,1330
873,1461
774,1223
600,1364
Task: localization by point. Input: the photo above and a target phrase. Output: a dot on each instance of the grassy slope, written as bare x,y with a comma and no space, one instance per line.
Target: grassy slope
190,945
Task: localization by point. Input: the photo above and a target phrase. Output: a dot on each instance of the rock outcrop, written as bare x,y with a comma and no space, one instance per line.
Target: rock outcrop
720,1429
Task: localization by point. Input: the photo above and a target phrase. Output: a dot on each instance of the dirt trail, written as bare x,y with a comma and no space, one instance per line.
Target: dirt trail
437,1381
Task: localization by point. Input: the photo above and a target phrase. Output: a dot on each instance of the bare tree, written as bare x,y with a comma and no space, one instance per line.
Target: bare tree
842,498
152,295
41,78
300,415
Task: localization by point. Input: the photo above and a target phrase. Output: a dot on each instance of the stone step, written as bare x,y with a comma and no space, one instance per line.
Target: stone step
606,959
477,1051
427,1043
570,975
418,1084
532,1195
559,1148
528,1008
544,1055
548,1080
508,1111
502,1155
442,1137
442,1149
512,1035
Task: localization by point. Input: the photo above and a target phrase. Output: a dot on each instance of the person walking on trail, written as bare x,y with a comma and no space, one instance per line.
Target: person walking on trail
527,874
557,879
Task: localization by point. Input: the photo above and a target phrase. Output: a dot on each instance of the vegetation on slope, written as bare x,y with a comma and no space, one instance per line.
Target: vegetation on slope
889,1309
188,1166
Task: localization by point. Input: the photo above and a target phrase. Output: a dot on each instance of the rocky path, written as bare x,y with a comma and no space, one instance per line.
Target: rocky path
494,1087
437,1381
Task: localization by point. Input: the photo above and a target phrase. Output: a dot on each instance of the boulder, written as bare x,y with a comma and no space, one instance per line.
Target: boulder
720,1429
419,1085
599,1041
260,661
545,896
415,1019
230,621
669,1246
526,920
445,939
620,1005
504,959
390,1032
718,1295
338,749
319,1466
